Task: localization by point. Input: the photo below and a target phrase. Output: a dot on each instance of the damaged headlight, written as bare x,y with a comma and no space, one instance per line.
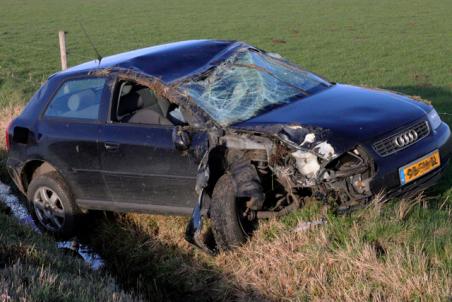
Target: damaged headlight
434,119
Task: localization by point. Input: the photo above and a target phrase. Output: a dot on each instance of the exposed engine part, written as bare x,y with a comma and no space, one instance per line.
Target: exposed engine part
284,211
262,167
324,150
355,165
345,178
351,175
307,163
272,178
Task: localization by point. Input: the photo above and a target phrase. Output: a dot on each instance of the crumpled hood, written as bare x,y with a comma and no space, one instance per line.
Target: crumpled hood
354,113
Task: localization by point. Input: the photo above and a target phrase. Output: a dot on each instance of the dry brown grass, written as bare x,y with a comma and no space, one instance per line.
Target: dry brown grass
7,113
407,204
297,266
332,262
279,264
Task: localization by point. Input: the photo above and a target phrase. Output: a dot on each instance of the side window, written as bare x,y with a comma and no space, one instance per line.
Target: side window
77,99
137,104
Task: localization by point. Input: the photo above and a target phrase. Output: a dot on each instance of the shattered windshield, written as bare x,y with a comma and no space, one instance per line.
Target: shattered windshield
250,83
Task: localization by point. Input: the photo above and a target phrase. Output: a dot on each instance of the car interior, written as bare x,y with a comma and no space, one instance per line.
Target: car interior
137,104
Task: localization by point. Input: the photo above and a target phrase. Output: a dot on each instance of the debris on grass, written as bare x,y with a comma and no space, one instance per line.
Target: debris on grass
303,226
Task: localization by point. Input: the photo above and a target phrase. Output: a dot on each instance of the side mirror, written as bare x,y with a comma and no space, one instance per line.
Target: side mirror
181,139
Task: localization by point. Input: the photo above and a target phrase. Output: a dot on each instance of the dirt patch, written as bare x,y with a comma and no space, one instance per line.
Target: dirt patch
421,79
279,41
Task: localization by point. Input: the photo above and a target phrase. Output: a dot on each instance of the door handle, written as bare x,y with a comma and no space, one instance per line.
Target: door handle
111,147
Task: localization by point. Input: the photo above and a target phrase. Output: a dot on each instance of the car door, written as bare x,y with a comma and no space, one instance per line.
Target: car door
68,135
144,171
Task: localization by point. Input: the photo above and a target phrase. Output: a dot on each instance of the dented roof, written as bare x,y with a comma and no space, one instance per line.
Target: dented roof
183,59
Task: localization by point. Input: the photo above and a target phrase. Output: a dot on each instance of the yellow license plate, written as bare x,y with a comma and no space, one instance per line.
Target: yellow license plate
419,167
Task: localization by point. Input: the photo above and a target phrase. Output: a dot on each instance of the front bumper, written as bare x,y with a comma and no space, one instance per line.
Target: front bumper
386,178
420,184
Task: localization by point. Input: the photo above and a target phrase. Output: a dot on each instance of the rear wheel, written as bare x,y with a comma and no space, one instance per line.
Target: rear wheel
230,227
52,205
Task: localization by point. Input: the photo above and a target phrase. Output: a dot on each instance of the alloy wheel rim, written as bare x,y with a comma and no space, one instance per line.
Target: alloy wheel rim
49,209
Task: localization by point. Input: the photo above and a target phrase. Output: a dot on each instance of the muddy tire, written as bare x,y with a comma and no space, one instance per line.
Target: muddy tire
52,205
229,227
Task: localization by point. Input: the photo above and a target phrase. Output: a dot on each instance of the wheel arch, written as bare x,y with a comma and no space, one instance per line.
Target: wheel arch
33,168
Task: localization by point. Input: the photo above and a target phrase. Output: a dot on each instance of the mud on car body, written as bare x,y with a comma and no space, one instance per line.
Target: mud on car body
214,129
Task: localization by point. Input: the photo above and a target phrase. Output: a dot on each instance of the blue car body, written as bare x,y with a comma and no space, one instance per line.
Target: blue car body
135,167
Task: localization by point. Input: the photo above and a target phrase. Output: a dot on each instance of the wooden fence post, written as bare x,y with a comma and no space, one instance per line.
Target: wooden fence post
63,53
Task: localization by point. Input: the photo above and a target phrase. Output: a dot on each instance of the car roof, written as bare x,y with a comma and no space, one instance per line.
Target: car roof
169,62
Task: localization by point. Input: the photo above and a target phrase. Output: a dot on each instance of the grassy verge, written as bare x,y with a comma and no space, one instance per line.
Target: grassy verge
400,251
33,269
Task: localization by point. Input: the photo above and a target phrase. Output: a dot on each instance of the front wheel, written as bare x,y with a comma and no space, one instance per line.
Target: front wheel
52,206
230,227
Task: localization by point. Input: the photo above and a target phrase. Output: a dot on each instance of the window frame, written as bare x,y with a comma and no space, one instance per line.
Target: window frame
115,103
51,97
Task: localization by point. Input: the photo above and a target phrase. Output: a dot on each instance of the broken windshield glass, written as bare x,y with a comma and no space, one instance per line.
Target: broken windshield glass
250,83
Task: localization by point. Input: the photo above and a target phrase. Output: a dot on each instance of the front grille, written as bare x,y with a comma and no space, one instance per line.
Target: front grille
390,144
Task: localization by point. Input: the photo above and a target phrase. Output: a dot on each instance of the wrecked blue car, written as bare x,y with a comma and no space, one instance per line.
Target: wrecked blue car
217,130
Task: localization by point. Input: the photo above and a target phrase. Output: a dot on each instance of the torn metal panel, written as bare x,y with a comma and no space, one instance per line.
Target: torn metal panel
194,228
297,136
242,142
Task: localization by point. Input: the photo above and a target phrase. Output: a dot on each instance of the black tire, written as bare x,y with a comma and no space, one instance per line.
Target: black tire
229,227
56,213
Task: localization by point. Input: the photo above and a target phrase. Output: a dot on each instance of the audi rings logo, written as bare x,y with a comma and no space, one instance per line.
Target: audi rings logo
405,138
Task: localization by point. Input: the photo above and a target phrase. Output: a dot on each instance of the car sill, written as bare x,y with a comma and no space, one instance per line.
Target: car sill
116,206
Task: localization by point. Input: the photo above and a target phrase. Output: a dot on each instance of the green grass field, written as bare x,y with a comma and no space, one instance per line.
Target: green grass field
401,251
